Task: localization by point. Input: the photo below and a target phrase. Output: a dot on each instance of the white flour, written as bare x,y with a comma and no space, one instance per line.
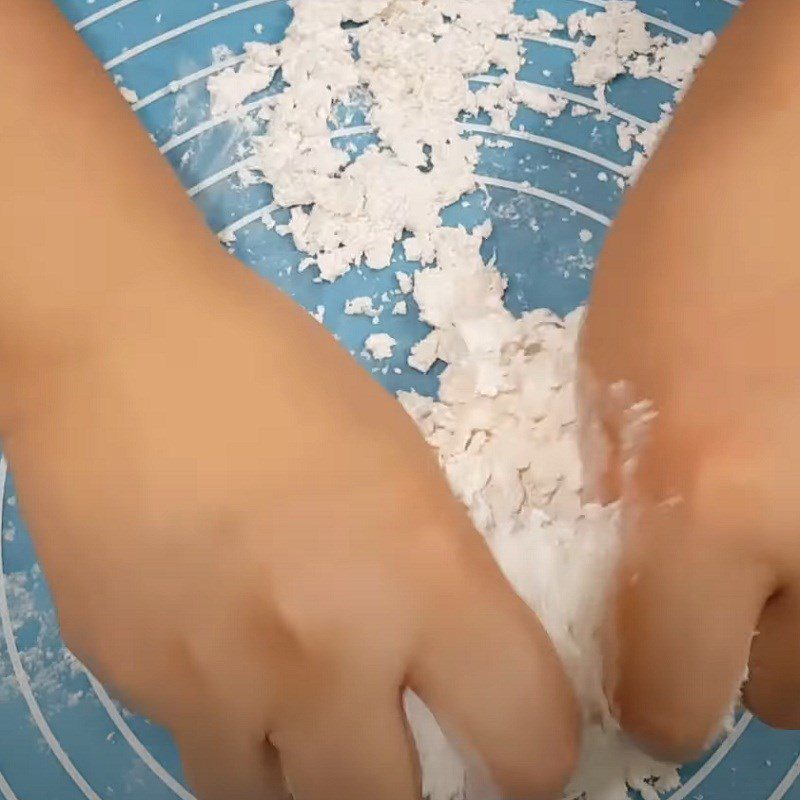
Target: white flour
504,423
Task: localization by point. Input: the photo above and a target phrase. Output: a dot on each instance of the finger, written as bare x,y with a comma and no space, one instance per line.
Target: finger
685,611
490,675
773,688
352,746
221,763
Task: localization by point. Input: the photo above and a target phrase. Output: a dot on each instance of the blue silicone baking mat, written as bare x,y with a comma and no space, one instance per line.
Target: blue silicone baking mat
61,736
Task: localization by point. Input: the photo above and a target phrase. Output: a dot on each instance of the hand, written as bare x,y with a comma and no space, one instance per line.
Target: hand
695,311
248,538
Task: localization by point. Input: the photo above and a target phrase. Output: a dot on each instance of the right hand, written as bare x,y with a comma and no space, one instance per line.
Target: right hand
695,309
249,539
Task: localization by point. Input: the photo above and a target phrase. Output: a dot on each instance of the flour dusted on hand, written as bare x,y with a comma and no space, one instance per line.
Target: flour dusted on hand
504,423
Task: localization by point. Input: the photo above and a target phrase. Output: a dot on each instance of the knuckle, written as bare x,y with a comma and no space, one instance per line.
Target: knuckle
669,737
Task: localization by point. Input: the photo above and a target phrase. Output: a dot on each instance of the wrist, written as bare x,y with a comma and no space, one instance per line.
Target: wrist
48,334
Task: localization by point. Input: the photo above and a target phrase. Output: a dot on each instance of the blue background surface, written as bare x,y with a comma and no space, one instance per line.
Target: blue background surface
61,737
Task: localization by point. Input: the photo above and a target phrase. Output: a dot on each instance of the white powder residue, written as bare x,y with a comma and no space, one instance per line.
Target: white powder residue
505,422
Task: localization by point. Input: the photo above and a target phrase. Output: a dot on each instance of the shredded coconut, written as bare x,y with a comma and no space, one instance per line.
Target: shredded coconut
504,424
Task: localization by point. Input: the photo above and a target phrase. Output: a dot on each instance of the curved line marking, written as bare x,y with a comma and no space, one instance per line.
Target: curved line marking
217,177
136,745
206,183
788,781
103,13
101,693
24,685
182,83
356,130
342,133
210,124
573,97
175,86
577,47
481,180
659,23
543,194
167,36
6,790
552,41
246,220
715,760
553,144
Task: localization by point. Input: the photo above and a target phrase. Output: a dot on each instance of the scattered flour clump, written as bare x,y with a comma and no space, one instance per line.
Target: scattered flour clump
621,43
231,87
616,41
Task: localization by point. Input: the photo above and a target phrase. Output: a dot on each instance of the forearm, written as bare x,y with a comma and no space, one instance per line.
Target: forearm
710,230
92,216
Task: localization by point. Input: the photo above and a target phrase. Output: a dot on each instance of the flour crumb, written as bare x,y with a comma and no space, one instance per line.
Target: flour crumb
319,314
400,308
129,95
539,99
405,282
231,87
380,346
361,306
586,236
621,44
